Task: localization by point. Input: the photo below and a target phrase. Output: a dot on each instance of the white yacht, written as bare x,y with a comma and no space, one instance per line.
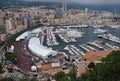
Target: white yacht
115,26
99,31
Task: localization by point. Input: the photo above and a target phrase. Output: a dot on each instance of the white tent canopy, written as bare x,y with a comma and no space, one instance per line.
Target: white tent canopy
39,50
33,68
22,36
12,48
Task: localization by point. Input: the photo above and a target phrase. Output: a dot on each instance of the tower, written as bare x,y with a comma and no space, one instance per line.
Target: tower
64,7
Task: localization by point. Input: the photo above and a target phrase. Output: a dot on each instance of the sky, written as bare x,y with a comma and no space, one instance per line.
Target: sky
84,1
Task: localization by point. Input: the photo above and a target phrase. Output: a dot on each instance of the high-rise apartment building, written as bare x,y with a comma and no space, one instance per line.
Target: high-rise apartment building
9,25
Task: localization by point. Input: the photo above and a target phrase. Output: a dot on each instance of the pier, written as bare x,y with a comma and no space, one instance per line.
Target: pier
51,40
83,47
111,38
41,37
74,50
66,38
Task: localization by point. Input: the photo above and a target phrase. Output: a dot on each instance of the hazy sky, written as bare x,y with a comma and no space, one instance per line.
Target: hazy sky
85,1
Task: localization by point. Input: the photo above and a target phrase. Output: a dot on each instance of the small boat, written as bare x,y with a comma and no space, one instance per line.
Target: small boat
115,26
99,36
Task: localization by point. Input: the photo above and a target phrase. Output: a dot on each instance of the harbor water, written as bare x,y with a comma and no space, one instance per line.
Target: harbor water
89,36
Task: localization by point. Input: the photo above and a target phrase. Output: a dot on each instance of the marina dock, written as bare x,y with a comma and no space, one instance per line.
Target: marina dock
74,50
51,40
111,38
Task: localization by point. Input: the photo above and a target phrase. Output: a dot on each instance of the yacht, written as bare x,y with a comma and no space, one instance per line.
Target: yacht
115,26
99,31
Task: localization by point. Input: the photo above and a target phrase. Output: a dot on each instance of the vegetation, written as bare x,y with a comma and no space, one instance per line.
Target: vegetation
10,56
91,65
1,43
6,79
10,70
108,70
1,68
25,77
48,79
60,76
73,72
33,79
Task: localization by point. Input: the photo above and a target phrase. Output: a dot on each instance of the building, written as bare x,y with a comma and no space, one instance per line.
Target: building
36,48
3,37
10,25
82,68
50,68
93,56
25,22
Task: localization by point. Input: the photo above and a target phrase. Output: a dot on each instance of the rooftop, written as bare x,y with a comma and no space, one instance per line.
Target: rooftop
49,66
82,68
93,56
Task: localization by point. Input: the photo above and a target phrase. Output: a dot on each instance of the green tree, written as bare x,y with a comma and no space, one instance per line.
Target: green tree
58,76
91,65
48,79
10,70
68,78
33,79
73,72
1,68
10,56
7,79
25,77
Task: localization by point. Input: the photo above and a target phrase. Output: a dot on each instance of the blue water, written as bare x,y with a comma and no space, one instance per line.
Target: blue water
34,35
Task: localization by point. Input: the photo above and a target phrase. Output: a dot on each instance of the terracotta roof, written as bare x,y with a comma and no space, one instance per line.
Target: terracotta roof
93,56
46,66
49,66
